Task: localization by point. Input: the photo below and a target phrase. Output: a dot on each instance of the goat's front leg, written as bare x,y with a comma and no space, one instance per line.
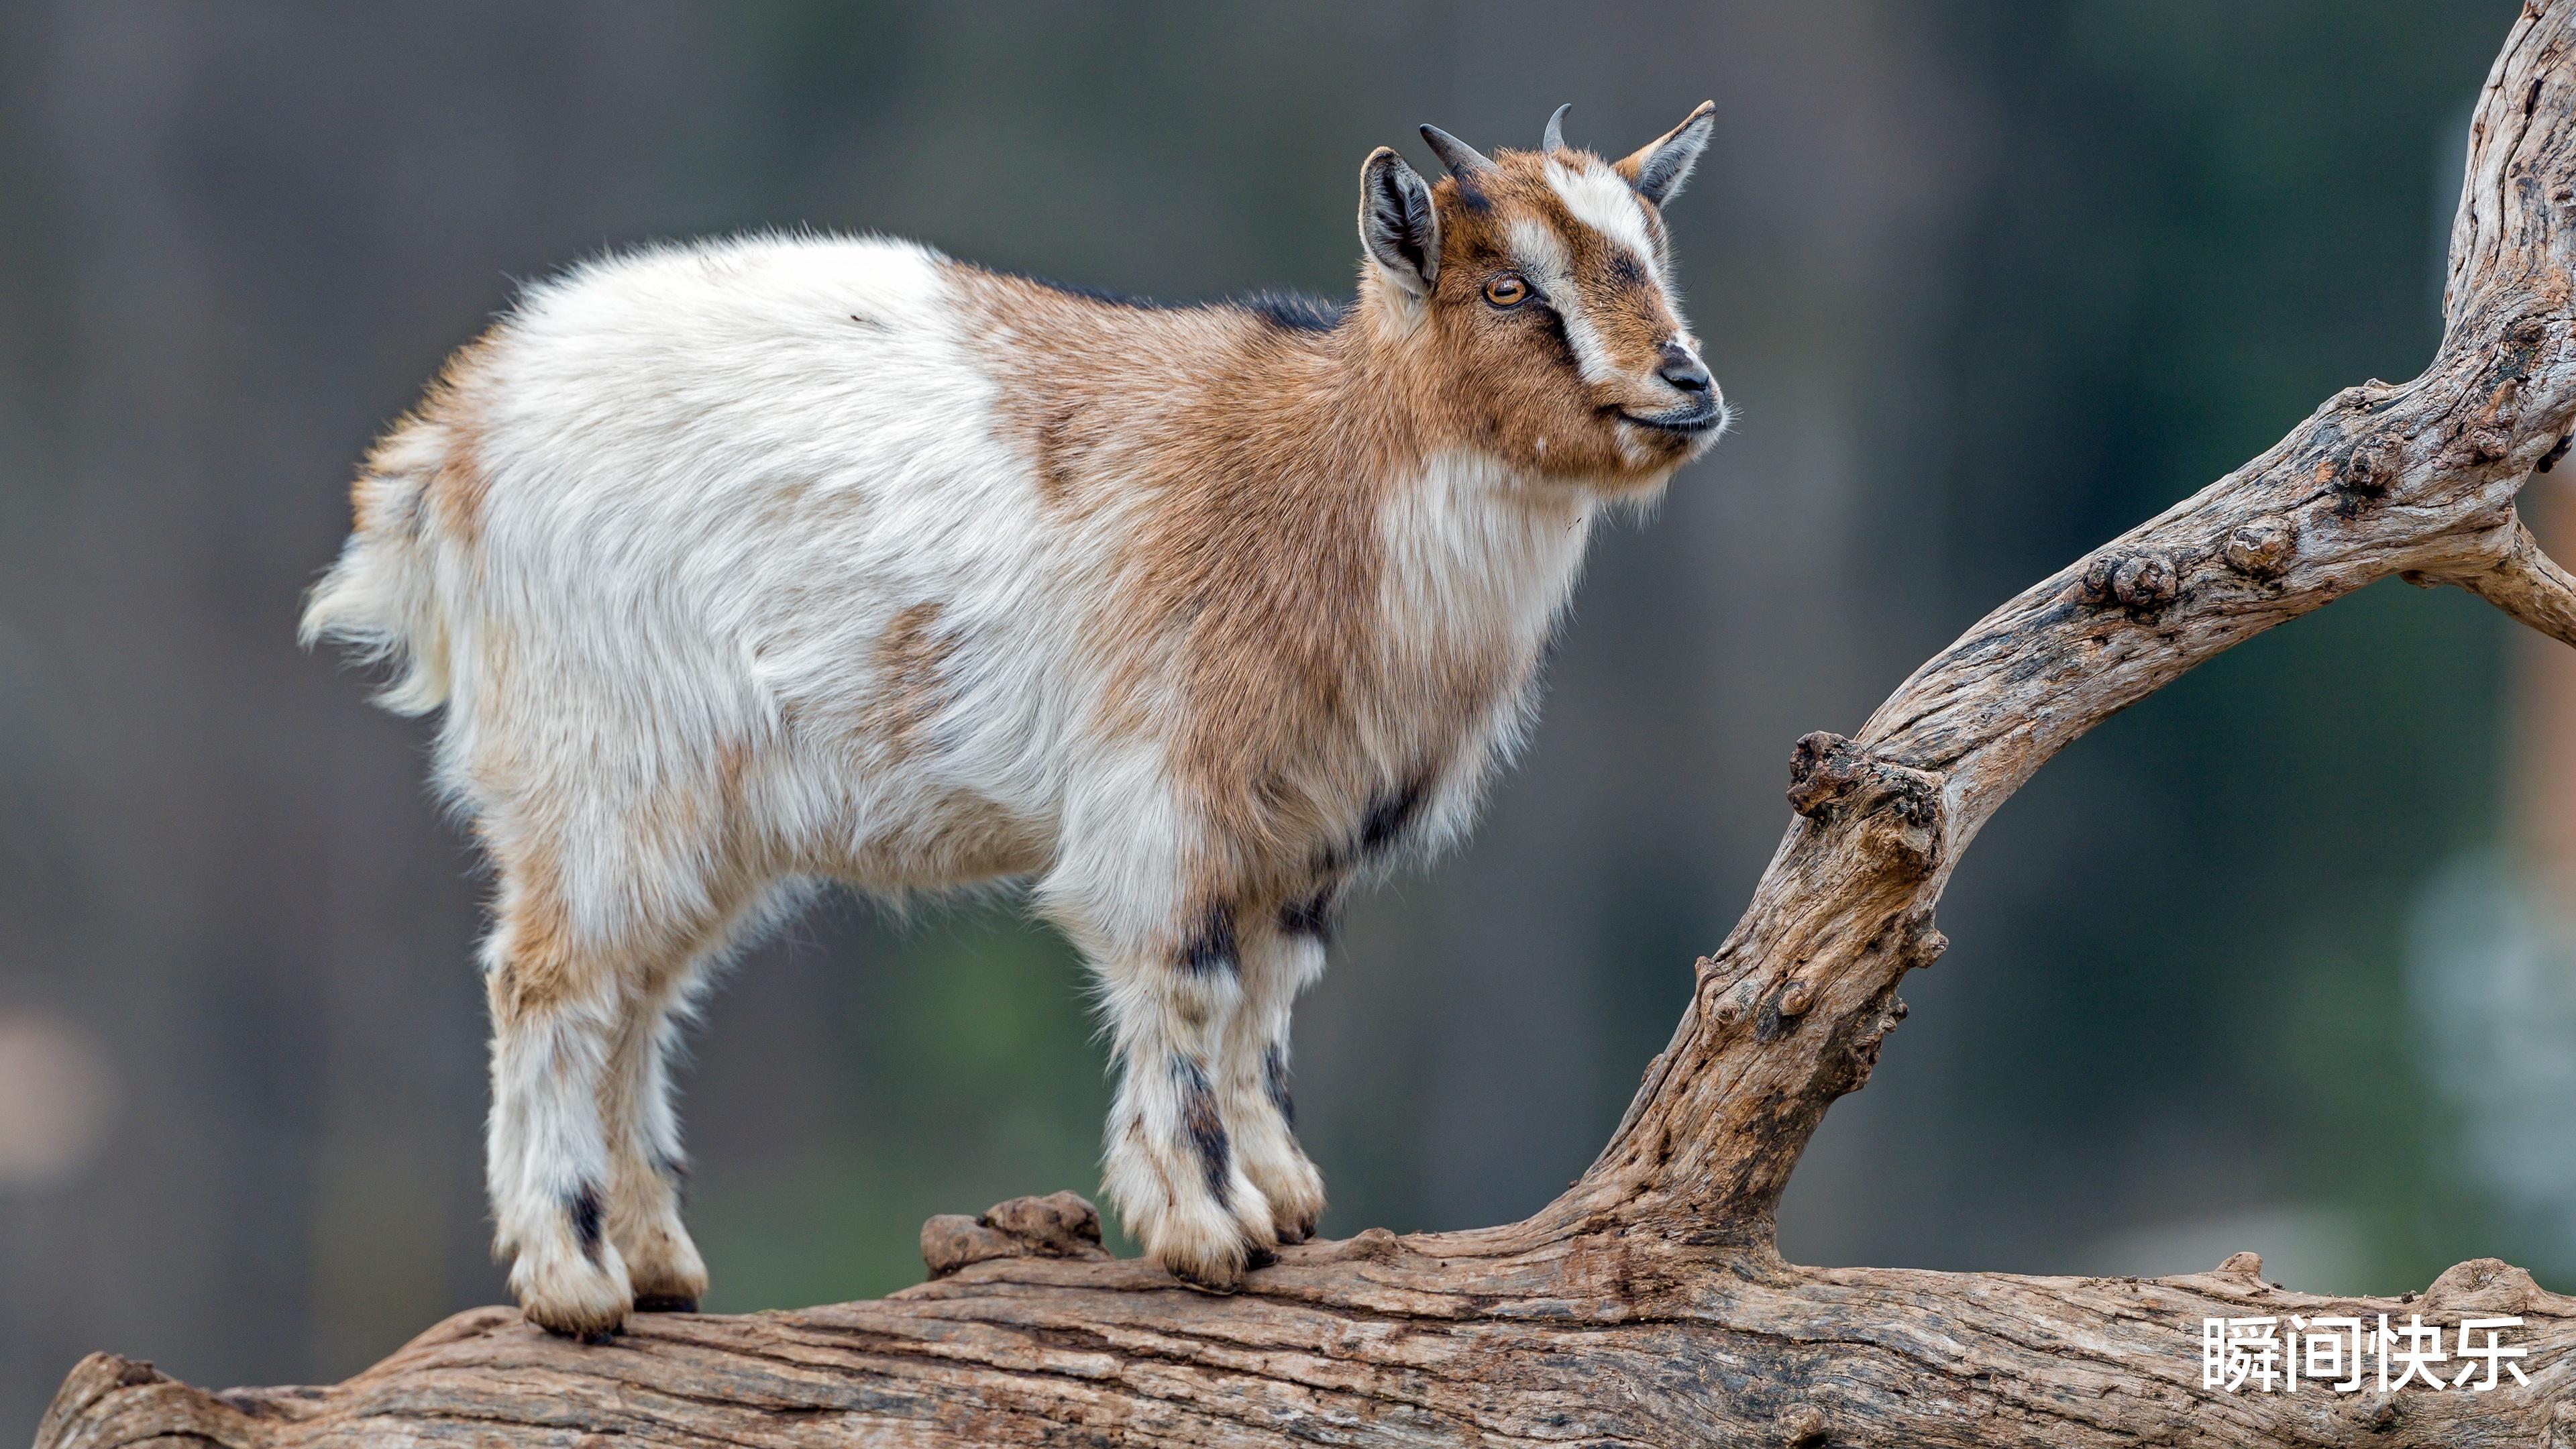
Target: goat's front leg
1173,1170
1281,958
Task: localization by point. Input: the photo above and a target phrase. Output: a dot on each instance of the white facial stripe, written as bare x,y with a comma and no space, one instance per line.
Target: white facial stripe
1600,200
1538,251
1542,258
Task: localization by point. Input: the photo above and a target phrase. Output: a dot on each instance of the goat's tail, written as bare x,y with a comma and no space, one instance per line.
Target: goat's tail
380,597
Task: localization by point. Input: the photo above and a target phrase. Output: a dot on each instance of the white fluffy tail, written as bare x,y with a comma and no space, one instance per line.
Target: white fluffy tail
380,597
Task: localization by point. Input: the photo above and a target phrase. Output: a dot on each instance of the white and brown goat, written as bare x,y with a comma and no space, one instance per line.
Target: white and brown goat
743,566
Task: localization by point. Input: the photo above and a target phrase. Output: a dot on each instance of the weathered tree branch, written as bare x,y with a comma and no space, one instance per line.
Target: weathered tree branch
2527,584
1647,1305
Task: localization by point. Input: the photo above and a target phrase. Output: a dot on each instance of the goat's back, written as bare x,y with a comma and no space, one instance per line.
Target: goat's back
733,508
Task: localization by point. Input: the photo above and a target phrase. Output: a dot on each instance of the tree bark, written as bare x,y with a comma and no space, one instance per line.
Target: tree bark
1647,1305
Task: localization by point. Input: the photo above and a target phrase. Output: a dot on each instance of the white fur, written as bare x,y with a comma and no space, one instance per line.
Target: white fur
1541,257
716,477
1601,200
1459,566
1598,198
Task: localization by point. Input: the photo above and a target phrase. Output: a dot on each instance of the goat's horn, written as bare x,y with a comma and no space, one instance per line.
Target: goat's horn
1462,159
1554,140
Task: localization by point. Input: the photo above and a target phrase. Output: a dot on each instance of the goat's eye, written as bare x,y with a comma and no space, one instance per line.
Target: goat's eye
1507,290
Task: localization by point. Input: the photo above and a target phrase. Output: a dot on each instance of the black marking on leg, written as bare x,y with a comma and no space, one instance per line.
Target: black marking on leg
1210,947
1204,1128
582,1206
1388,817
1274,1075
1312,916
665,1303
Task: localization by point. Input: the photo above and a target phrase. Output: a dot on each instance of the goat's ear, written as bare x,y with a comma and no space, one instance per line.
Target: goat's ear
1397,222
1659,168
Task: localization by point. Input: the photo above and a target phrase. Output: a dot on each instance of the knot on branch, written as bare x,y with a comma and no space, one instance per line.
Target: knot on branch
1833,778
1871,1036
1059,1225
1913,939
1368,1245
111,1399
2481,1285
2372,468
1728,1005
1799,1425
2485,445
1822,766
2263,548
2142,582
1774,1016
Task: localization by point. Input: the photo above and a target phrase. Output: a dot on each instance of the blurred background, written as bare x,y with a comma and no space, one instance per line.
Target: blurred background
2280,959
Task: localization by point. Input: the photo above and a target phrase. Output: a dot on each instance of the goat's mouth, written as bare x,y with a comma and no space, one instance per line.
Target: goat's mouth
1682,422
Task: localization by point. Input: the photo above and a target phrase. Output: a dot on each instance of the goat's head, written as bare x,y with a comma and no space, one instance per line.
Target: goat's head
1535,292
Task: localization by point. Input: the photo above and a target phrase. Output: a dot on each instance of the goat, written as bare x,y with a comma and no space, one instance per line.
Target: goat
783,560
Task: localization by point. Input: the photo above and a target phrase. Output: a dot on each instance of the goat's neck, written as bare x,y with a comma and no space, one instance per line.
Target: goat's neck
1477,554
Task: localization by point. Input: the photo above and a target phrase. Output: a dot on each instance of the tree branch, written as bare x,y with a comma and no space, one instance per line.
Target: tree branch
1647,1305
2528,585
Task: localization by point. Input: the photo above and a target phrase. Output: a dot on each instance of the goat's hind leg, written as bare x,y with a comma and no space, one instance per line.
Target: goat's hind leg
584,1145
646,1165
559,1000
1172,1169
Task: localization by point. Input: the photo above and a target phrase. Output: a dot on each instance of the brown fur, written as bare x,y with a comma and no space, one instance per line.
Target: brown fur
1249,554
1526,410
542,965
458,488
1245,464
911,660
453,407
962,837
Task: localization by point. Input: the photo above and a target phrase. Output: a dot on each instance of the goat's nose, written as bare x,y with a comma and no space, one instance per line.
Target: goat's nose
1682,370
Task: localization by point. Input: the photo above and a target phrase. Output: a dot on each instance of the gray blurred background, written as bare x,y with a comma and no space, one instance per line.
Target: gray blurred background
2278,960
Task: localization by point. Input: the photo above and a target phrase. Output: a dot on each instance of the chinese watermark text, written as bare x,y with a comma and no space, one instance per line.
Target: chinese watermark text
2340,1354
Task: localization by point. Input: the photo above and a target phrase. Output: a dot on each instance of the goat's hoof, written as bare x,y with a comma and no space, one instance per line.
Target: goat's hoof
569,1294
1217,1288
1222,1275
592,1334
665,1303
1295,1192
